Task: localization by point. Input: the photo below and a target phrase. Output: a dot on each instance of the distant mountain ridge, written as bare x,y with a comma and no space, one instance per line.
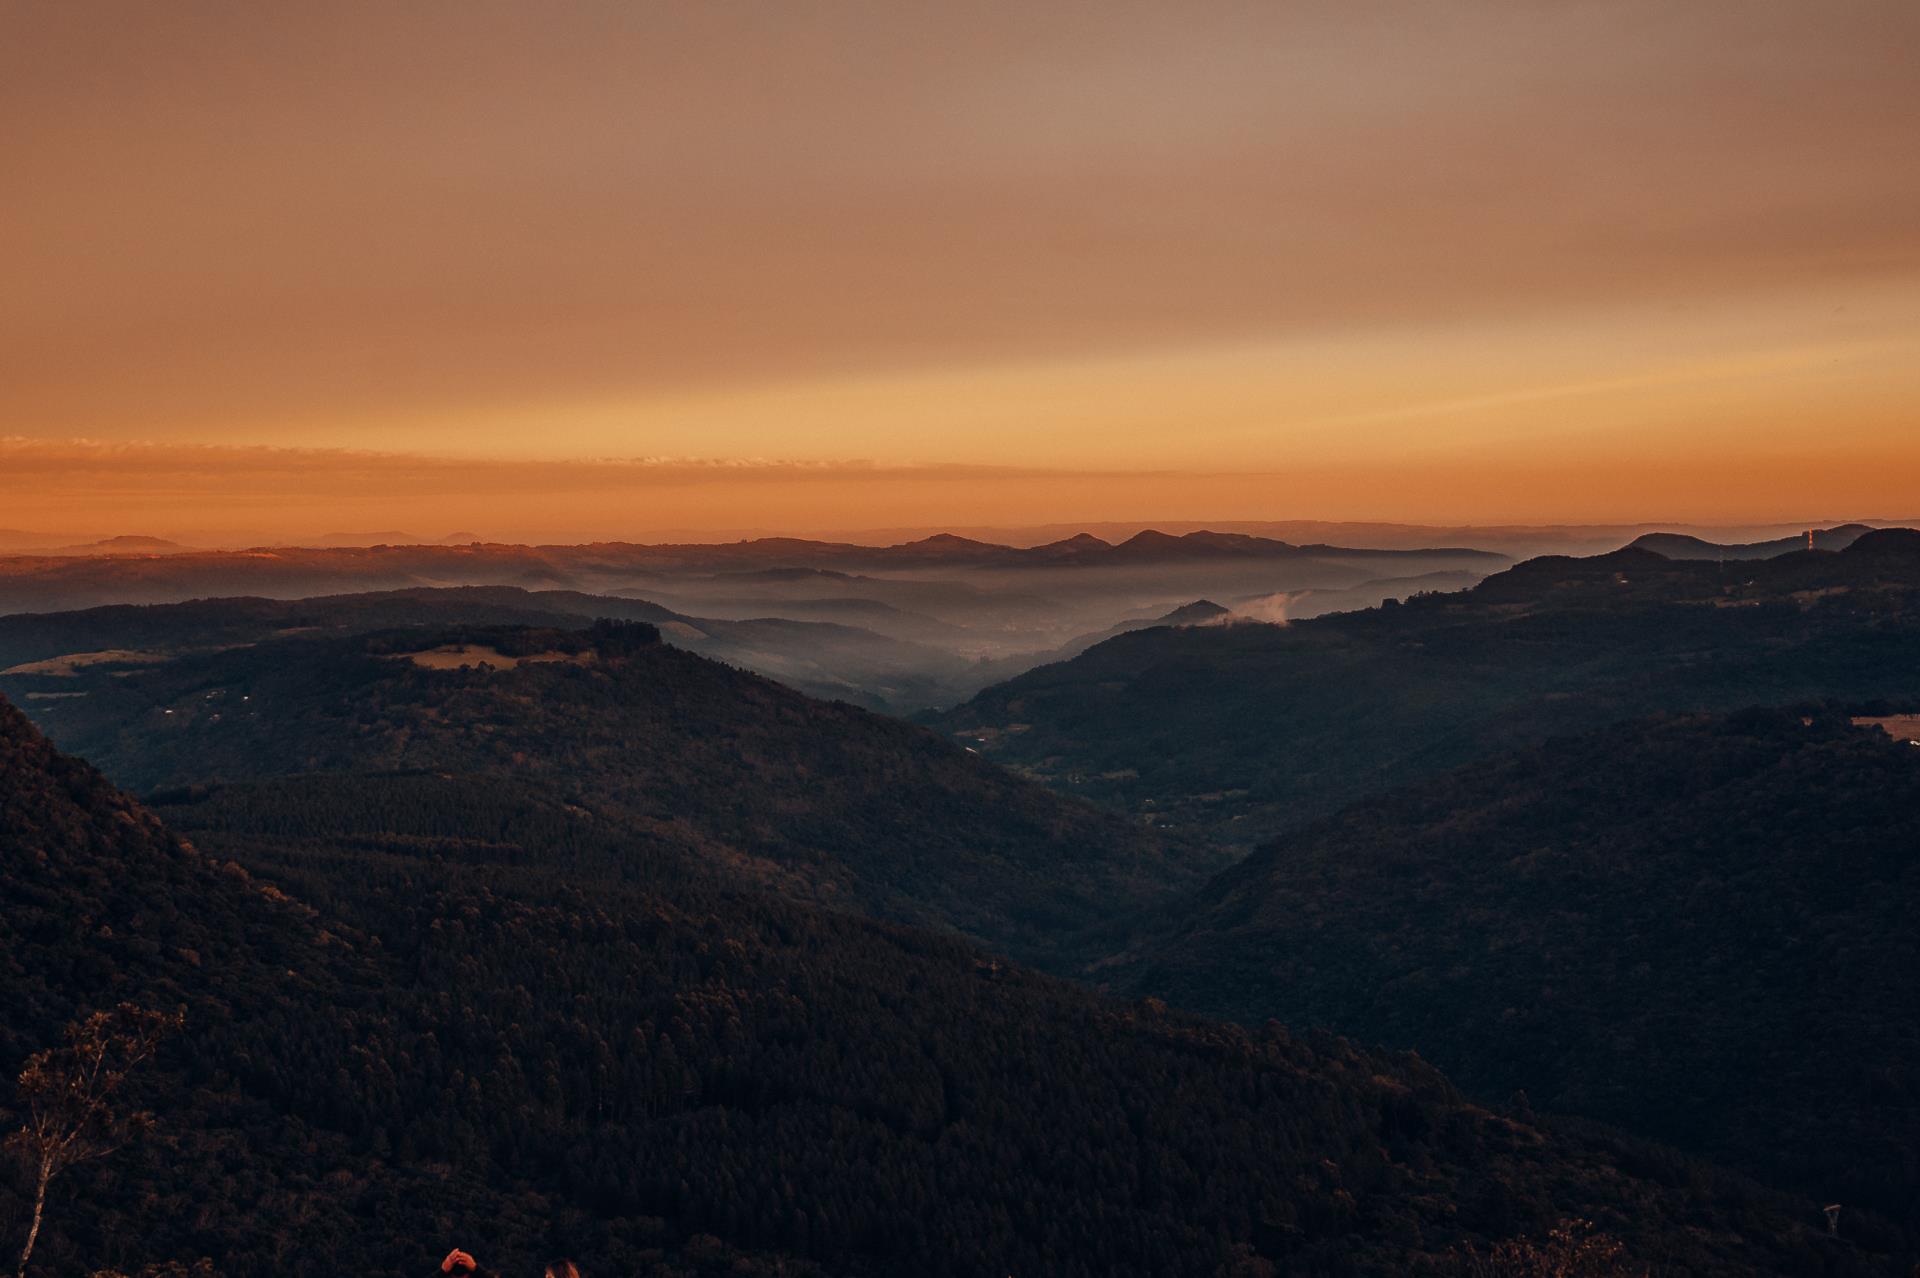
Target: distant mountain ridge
941,549
47,582
1246,730
1683,546
1519,541
1870,565
128,545
926,623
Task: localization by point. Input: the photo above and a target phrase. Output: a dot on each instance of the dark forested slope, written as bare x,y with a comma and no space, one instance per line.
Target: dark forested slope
817,657
705,769
1699,928
102,904
1246,730
423,1054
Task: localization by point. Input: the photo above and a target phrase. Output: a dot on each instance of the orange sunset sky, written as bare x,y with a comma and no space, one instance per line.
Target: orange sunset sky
590,269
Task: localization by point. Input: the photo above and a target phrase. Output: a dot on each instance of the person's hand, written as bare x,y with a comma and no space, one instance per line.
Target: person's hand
458,1262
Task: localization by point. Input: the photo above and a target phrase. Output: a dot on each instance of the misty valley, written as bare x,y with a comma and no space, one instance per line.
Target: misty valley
1006,639
803,908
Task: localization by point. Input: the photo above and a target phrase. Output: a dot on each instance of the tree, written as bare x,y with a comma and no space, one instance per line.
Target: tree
1573,1249
71,1094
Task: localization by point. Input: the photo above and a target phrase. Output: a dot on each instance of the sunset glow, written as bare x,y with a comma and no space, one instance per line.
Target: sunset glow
635,267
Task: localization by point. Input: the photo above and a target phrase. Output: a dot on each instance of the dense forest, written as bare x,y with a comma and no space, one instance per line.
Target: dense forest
531,938
387,1053
1247,730
1696,926
706,771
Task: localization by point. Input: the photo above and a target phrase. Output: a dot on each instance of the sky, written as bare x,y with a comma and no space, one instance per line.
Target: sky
580,269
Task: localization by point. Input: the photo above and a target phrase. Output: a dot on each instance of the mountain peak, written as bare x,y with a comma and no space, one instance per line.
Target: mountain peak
1881,540
1080,546
948,546
129,544
952,539
1152,543
1674,545
1197,613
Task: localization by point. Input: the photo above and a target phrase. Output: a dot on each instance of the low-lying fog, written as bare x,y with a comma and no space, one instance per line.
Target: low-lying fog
899,628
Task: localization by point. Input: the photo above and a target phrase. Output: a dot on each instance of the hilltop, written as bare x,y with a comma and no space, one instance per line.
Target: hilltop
820,658
717,775
1244,731
1686,546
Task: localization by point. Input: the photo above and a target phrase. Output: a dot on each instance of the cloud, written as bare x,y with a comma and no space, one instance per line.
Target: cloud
326,218
217,494
80,460
265,492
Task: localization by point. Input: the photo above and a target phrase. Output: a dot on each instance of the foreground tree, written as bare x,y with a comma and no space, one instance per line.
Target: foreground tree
71,1094
1573,1249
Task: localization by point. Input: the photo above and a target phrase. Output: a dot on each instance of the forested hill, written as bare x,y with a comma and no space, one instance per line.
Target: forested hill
1247,730
1697,927
1880,569
1675,545
819,658
519,742
422,1054
103,904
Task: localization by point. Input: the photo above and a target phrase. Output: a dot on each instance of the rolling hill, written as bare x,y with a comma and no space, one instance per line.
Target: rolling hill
916,625
1697,927
407,1054
1201,612
1244,731
1686,546
819,658
716,773
43,582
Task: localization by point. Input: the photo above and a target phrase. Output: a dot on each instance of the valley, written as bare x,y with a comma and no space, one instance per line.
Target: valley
373,754
1020,639
1244,732
744,1083
901,628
